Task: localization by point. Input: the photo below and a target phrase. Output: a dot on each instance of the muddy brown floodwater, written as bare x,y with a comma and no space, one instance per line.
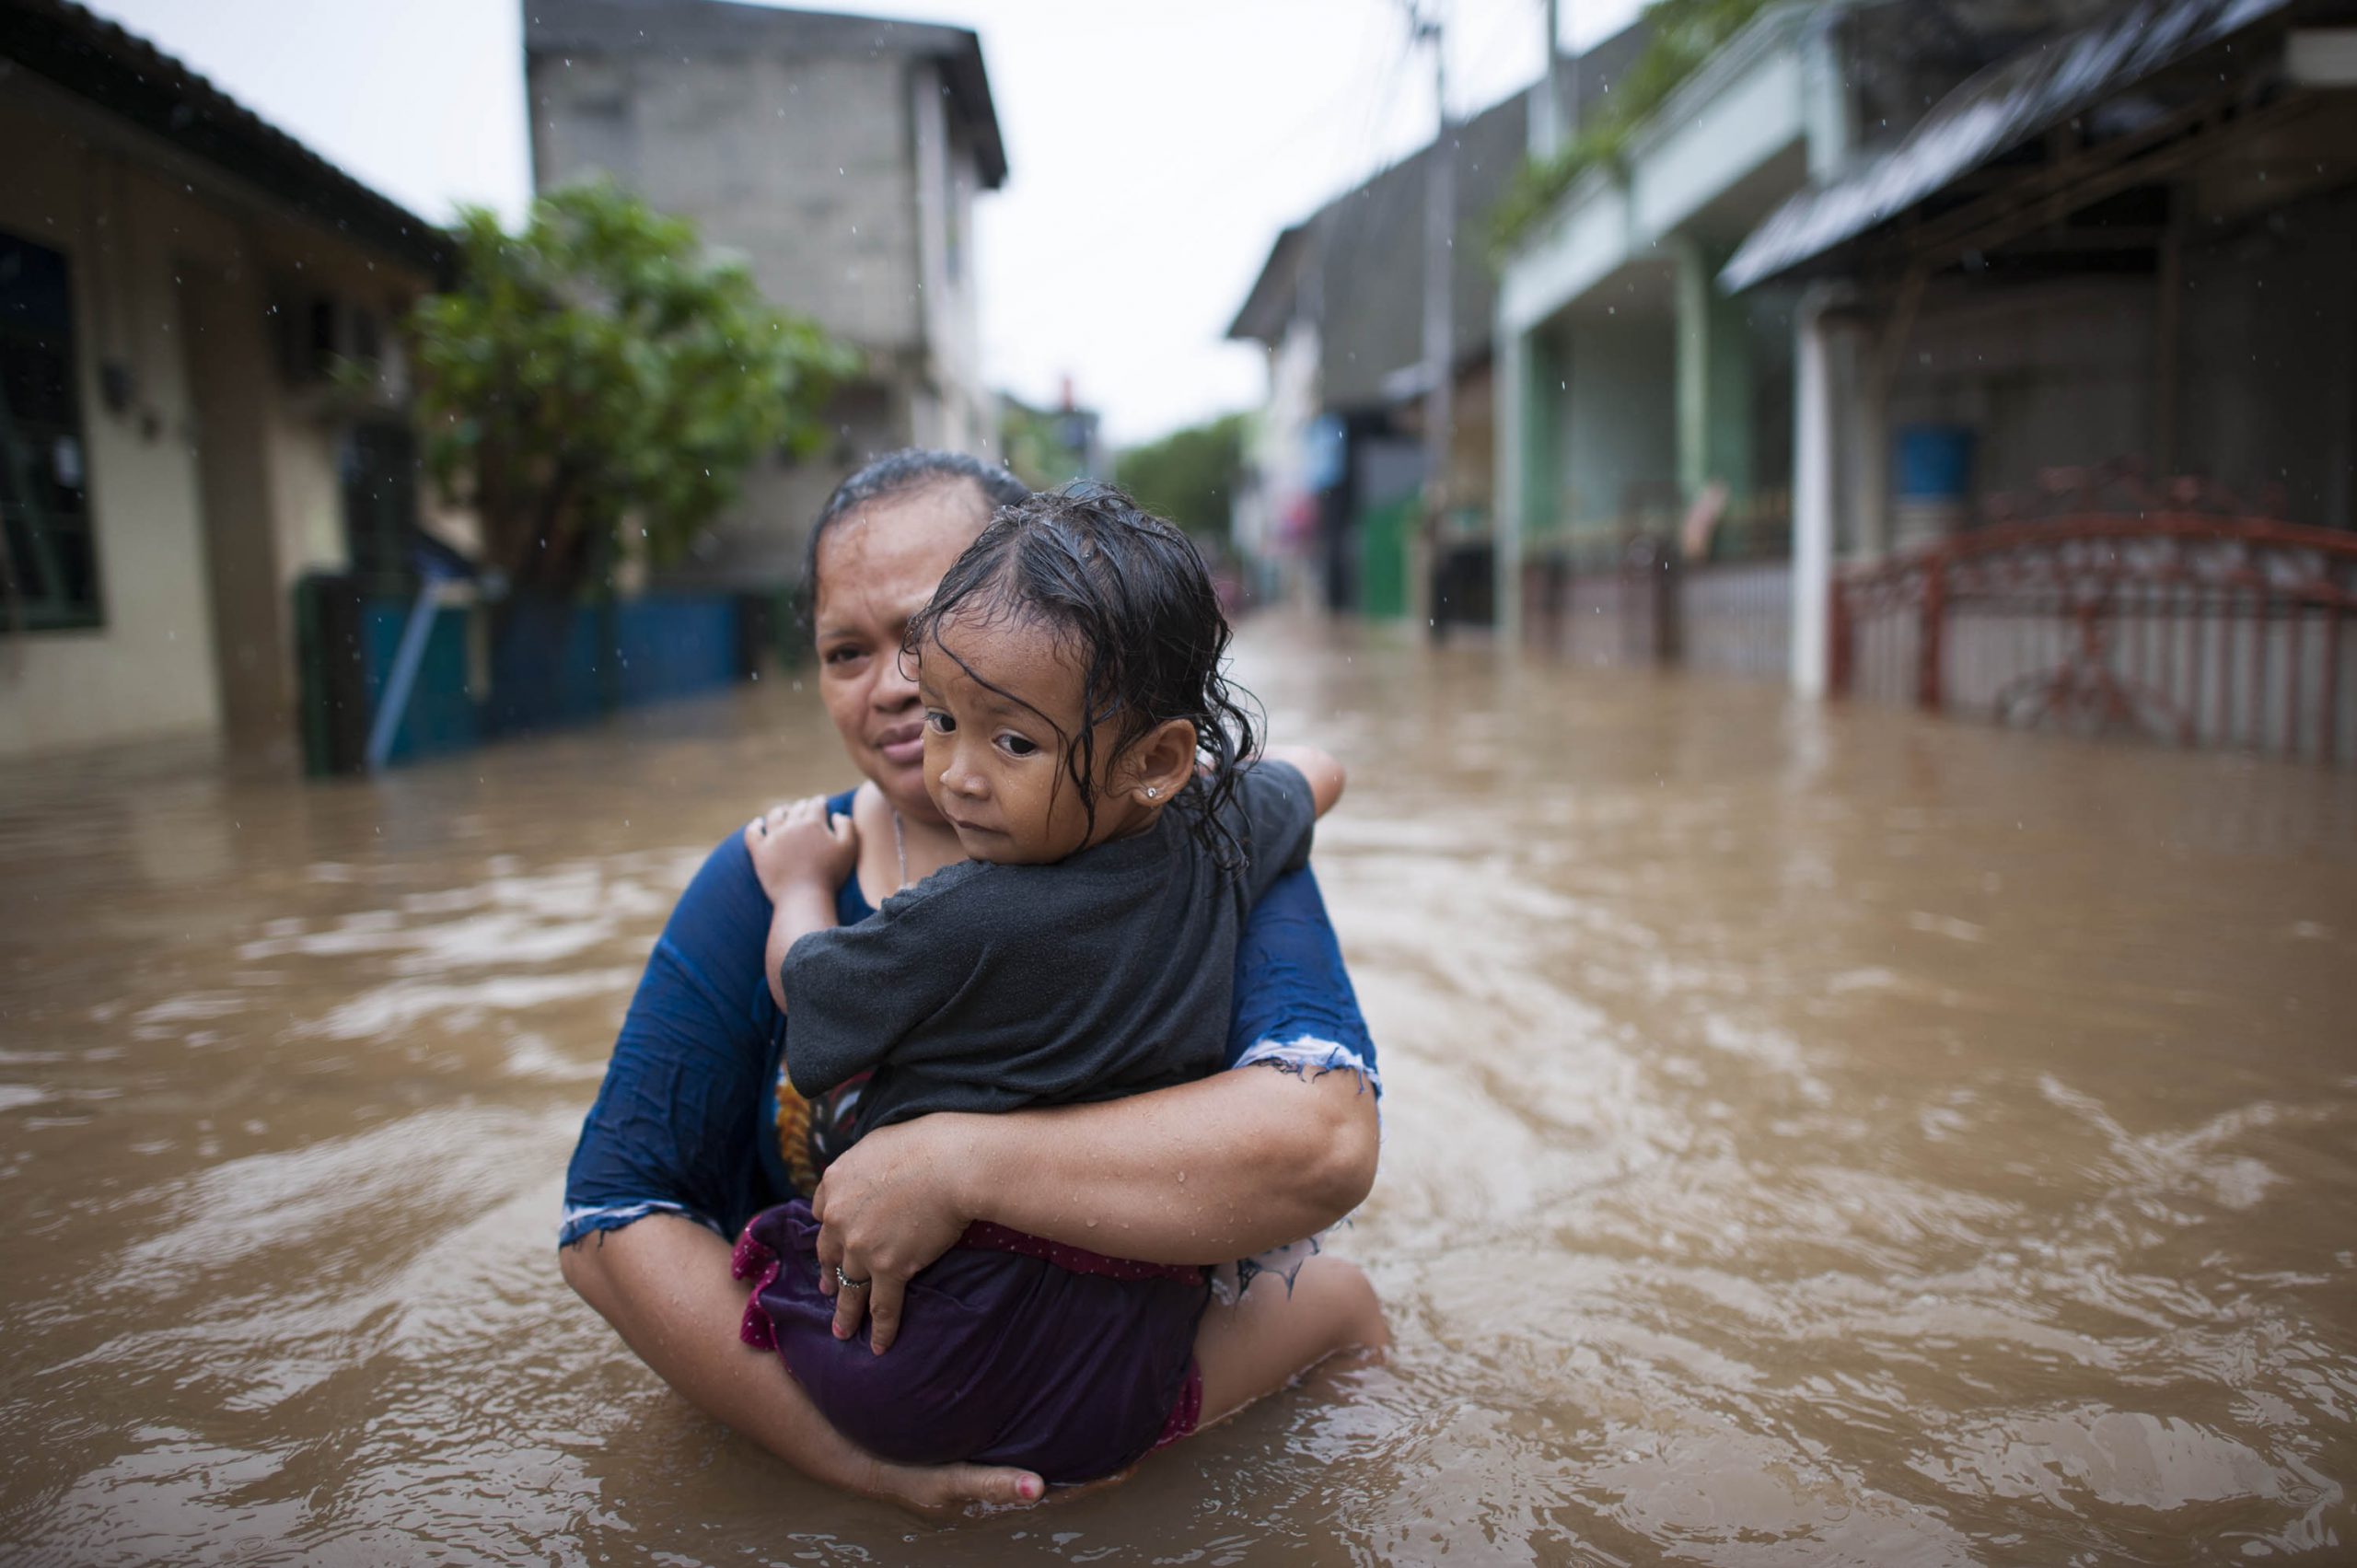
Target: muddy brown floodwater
1811,1135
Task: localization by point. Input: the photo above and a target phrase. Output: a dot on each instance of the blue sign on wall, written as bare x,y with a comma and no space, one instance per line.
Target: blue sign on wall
1329,451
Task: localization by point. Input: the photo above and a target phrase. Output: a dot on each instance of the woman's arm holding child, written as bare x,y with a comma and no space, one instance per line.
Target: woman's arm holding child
802,854
1237,1163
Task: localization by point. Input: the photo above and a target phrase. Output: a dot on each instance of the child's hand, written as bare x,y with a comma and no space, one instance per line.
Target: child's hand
802,842
1323,774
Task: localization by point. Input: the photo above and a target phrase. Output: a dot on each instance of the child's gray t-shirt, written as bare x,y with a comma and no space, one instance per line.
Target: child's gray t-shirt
995,987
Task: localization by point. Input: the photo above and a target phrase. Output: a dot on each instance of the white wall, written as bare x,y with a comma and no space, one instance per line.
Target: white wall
133,236
148,669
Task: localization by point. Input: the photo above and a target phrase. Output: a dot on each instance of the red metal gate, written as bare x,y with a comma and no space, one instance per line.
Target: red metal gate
2199,628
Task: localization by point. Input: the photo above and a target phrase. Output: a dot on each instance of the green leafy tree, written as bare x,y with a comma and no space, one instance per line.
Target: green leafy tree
1189,476
596,368
1036,446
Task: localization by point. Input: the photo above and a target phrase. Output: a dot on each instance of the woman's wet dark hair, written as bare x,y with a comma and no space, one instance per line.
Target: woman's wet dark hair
910,470
1131,594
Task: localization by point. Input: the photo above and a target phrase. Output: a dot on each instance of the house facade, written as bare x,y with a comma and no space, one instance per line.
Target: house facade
2106,291
1332,503
840,157
179,282
1993,355
1646,410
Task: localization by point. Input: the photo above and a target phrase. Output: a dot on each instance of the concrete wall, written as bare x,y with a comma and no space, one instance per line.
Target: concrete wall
2048,376
2064,374
2270,355
806,167
217,486
849,190
956,410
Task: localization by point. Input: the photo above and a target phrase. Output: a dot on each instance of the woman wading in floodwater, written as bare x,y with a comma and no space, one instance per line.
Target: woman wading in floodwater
693,1131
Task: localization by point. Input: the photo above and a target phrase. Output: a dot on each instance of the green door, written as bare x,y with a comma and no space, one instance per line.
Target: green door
1383,556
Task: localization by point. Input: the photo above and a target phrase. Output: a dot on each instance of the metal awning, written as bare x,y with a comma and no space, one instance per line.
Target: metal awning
1996,111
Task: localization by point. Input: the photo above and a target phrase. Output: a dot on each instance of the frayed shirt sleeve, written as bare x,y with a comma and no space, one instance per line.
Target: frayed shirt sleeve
1295,1006
1296,1012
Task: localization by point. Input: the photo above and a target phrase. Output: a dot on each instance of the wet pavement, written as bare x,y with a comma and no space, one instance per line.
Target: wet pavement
1811,1135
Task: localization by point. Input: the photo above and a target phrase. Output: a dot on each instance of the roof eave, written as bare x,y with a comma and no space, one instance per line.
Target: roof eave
1259,301
970,87
128,78
1767,255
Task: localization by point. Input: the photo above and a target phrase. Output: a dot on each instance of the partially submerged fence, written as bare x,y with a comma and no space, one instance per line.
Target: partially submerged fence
1647,607
2187,626
390,676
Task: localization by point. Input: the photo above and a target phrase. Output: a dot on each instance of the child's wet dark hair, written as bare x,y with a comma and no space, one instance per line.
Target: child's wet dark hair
1129,593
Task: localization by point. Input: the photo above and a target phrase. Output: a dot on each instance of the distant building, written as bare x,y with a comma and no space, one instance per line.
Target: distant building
840,157
1336,467
177,280
1045,447
1644,407
2115,270
1993,355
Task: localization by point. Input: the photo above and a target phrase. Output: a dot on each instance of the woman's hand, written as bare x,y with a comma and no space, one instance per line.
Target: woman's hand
801,842
888,1207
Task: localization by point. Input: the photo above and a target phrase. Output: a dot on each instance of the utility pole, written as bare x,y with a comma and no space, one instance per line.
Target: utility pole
1440,233
1550,124
1554,121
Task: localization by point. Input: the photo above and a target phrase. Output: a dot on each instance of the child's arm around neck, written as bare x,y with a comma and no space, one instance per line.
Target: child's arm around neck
1324,775
801,854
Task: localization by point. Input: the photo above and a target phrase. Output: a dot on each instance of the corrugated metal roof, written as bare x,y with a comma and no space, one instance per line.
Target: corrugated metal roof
2037,89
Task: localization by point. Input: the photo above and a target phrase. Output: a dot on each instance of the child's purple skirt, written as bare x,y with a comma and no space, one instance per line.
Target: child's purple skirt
1012,1351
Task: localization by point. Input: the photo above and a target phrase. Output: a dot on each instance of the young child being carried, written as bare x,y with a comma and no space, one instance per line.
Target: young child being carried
1097,769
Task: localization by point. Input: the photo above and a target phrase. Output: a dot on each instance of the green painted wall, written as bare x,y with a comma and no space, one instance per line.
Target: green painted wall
1618,419
1383,556
1714,375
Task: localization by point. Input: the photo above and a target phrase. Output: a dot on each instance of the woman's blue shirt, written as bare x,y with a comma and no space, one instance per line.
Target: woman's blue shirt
685,1123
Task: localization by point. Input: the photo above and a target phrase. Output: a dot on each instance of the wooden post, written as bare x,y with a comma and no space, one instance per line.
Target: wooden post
1932,631
2168,330
1838,635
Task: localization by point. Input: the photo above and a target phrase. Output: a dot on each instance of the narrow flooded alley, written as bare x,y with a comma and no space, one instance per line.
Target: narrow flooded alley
1812,1134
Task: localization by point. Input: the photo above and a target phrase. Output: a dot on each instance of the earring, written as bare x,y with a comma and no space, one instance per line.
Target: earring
1151,791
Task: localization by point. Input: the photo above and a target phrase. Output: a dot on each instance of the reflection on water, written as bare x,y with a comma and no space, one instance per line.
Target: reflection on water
1812,1135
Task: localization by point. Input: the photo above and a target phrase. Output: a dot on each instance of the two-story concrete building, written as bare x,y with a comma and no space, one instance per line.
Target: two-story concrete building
840,157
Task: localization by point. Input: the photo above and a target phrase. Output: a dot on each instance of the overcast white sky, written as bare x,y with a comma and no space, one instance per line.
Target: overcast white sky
1155,149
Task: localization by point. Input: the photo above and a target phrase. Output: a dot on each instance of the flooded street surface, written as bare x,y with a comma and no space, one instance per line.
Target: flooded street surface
1811,1135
